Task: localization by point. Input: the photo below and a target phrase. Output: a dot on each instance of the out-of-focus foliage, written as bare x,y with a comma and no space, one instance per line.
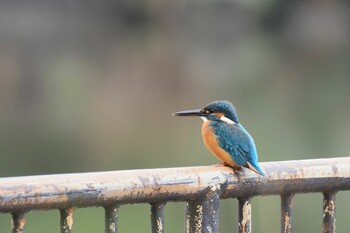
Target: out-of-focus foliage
91,85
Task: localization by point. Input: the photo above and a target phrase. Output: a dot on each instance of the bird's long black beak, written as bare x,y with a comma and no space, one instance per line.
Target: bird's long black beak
194,112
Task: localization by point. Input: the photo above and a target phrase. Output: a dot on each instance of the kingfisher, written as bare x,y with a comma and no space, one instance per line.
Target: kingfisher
225,137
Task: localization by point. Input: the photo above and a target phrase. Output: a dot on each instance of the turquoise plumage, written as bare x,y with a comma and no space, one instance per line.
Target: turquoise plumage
225,137
234,139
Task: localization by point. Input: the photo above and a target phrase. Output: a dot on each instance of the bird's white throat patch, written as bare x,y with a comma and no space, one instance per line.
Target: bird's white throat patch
223,118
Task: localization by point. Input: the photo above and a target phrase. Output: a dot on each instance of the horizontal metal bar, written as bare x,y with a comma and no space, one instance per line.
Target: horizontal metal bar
171,184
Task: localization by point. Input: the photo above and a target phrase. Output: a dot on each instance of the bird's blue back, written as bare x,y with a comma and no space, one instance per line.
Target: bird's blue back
235,140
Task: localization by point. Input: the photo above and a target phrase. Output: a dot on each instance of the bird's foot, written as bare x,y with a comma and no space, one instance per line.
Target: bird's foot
237,170
223,164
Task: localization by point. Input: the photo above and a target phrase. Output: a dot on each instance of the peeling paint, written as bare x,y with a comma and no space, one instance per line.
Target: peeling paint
244,225
329,219
18,222
160,225
157,217
172,184
330,208
112,226
246,211
191,184
209,230
187,225
287,213
111,219
66,220
202,216
287,223
215,187
70,221
198,219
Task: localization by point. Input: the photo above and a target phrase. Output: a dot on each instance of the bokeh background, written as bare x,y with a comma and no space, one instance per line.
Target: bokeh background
91,85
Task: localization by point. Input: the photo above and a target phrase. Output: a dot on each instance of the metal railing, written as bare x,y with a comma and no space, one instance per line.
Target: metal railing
200,187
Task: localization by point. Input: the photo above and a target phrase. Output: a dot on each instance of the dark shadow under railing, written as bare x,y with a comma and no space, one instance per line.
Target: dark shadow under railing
200,187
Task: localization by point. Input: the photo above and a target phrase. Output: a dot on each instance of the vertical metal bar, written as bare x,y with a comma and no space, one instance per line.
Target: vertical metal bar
245,215
287,213
111,219
18,222
329,212
202,216
66,221
157,217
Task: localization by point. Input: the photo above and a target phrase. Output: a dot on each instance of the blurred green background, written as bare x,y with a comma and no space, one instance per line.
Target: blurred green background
91,85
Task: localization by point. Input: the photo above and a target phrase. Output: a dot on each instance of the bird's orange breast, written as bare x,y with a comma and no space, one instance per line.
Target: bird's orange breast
213,146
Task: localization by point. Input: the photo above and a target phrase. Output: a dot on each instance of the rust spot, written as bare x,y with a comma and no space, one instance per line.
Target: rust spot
329,212
198,219
287,213
246,212
112,226
111,219
329,209
69,218
245,215
188,217
287,223
18,222
159,225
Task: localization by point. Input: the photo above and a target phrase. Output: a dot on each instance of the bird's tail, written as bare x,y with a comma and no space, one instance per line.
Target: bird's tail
255,168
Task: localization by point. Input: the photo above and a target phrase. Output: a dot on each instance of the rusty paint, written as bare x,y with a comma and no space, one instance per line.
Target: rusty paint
66,221
18,222
329,218
172,184
111,219
244,215
202,216
198,218
157,217
287,213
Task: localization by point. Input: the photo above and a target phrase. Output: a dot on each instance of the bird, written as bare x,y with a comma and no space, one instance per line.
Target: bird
225,137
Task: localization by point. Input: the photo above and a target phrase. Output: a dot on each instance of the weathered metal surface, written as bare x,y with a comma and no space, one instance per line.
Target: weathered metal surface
287,213
18,222
157,217
66,220
202,215
111,219
172,184
244,215
329,212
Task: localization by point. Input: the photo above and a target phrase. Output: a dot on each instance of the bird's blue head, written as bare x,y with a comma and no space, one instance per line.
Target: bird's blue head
224,108
213,111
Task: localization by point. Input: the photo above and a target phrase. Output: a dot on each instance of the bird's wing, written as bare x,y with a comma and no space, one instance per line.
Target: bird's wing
236,142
